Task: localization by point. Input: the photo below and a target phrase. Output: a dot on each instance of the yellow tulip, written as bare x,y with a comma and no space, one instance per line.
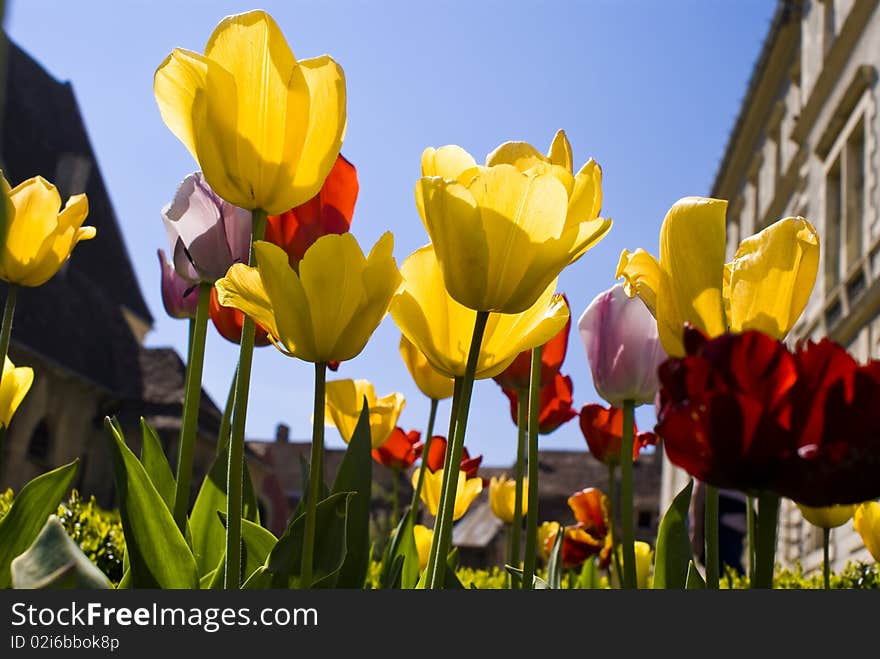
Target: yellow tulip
546,537
867,523
644,560
441,328
502,497
345,400
40,235
466,490
14,385
523,216
264,127
431,383
765,287
424,536
827,517
325,312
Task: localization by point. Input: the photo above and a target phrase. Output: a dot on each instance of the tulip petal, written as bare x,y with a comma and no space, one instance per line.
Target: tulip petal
242,289
178,81
560,151
15,383
585,201
521,155
447,162
867,523
290,303
772,276
37,203
641,276
692,243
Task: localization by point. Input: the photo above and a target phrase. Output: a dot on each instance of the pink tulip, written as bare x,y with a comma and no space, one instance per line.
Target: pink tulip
623,348
174,291
207,234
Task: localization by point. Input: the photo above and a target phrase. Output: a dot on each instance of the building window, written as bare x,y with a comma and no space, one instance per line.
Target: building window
40,443
829,25
644,519
832,227
854,194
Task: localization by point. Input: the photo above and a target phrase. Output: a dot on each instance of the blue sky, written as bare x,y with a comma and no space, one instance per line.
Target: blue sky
648,88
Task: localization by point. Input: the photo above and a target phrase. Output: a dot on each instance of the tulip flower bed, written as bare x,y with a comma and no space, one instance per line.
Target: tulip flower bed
260,244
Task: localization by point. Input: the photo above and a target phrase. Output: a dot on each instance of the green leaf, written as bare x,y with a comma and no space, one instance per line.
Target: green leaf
537,582
589,576
554,564
158,554
694,579
400,561
356,475
285,560
208,534
673,553
55,561
31,508
257,544
259,580
156,464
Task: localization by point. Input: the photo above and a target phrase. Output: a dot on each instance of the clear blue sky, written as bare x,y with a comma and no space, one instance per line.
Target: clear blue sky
648,88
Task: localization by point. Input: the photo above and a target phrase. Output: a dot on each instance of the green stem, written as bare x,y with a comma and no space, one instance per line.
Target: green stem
710,533
626,495
765,545
612,516
223,435
522,420
530,559
316,475
826,557
6,327
447,462
395,497
443,532
191,402
417,492
235,470
752,530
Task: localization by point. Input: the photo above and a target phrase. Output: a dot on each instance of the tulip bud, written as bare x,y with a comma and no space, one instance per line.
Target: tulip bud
502,497
14,385
827,517
867,523
424,536
623,347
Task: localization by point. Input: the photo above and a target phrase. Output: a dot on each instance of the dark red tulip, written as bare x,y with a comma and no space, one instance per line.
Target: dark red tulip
743,412
603,429
555,404
516,376
330,211
228,322
400,450
437,455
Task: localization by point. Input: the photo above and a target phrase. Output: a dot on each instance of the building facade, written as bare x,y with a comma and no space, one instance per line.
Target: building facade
807,142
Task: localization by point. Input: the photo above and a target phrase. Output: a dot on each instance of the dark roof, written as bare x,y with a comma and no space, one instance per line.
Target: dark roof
73,325
785,12
163,377
42,124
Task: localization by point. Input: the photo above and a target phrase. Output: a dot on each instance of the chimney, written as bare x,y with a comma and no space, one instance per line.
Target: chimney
282,433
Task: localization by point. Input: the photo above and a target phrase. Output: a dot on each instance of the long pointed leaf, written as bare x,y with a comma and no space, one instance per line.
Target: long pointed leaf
156,464
356,475
158,554
673,554
31,508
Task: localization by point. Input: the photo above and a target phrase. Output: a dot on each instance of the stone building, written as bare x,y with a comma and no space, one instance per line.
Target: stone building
807,142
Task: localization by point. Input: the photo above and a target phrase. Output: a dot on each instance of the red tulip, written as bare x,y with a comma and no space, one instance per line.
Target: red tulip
437,454
228,322
555,404
603,429
590,536
516,376
743,412
330,211
400,450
